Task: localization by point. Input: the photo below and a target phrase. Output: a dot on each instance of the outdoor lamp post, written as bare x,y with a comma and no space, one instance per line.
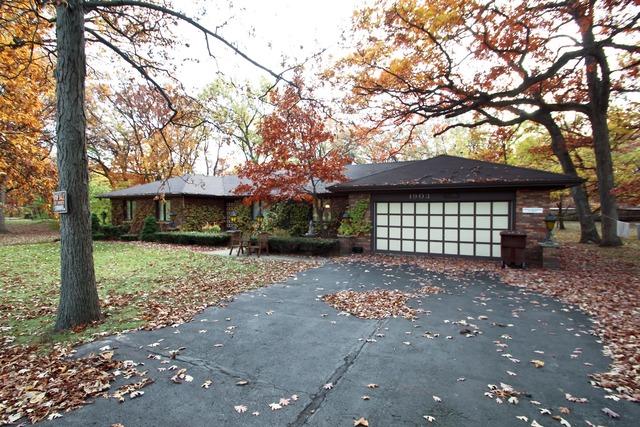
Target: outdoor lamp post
550,223
233,217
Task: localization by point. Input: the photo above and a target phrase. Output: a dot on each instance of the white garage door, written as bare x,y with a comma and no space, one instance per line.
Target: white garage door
449,228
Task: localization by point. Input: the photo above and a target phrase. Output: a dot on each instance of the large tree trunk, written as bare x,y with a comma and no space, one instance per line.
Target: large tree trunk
588,231
78,293
599,88
3,201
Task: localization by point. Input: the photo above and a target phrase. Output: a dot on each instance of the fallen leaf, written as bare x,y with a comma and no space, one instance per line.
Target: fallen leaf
242,382
538,363
608,412
429,418
372,385
436,398
361,422
328,386
275,406
206,384
240,409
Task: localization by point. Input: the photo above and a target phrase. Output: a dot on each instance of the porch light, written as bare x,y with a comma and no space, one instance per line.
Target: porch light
259,219
327,206
345,215
233,216
550,223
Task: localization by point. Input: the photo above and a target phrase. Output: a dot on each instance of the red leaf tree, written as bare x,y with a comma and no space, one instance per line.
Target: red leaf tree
299,152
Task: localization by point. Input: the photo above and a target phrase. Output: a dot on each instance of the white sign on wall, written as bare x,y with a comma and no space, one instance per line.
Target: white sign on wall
532,210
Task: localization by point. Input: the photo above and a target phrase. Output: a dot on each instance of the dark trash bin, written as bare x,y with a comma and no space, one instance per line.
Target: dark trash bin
512,246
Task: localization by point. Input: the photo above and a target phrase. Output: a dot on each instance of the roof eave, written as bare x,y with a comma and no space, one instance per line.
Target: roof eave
459,186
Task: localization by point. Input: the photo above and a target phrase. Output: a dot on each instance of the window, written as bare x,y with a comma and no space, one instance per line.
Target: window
129,209
163,210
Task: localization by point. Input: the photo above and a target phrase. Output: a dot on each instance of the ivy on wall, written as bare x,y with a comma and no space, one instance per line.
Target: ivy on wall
197,217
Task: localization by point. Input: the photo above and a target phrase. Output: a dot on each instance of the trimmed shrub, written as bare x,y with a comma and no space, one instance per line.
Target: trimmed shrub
129,237
115,231
98,236
149,229
95,223
193,238
305,245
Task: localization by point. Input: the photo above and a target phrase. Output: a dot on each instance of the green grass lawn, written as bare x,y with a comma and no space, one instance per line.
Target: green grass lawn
130,277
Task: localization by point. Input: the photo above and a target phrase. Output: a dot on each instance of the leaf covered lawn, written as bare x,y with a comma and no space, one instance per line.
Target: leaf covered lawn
140,286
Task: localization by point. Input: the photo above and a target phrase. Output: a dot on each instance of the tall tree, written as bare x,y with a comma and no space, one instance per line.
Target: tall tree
415,61
26,168
134,137
139,33
234,114
297,151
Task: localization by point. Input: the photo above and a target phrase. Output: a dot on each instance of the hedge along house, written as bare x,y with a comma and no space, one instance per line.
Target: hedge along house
444,205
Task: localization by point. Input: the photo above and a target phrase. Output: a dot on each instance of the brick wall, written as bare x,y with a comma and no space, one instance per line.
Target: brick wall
532,224
117,211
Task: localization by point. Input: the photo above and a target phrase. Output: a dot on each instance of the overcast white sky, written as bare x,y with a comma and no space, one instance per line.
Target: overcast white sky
267,31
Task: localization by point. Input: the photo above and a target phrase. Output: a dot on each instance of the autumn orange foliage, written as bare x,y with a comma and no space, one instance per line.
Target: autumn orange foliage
298,149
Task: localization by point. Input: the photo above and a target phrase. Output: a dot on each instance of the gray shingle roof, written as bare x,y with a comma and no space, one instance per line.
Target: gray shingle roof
192,185
456,172
437,172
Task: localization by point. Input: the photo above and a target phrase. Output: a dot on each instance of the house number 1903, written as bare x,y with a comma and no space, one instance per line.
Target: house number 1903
418,196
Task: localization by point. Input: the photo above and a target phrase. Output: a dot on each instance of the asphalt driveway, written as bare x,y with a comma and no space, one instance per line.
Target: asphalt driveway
283,340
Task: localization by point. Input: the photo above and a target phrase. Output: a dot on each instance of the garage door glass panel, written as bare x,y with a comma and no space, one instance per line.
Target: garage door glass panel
451,248
394,233
495,250
422,233
451,221
422,208
407,233
466,208
382,232
422,221
407,208
483,236
483,208
382,244
394,245
435,208
435,221
435,247
394,220
382,220
422,247
466,222
483,250
407,221
483,222
382,208
451,208
394,208
500,208
496,235
435,234
451,235
466,248
501,222
466,235
407,245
